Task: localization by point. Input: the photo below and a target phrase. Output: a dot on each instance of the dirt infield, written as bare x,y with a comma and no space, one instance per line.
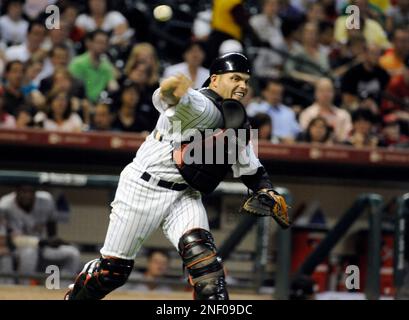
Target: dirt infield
40,293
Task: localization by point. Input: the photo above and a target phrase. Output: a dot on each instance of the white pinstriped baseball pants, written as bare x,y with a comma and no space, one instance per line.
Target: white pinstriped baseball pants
140,207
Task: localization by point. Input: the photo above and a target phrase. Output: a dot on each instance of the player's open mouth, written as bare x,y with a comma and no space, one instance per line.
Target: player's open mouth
238,95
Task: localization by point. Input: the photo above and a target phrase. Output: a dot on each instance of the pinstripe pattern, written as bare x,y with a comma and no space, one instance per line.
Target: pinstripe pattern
140,207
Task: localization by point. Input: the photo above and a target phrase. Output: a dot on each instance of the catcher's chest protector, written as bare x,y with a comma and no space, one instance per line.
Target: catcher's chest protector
206,175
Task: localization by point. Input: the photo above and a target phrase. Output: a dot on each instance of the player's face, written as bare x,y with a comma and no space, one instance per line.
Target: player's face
233,85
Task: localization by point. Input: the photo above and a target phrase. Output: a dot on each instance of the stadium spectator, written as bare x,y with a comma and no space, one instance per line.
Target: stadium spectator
32,68
267,24
193,57
32,47
102,118
33,9
59,57
63,81
128,118
230,20
7,121
326,36
310,61
397,16
396,99
363,132
364,81
69,15
262,123
93,67
318,131
99,16
58,38
290,12
144,53
13,27
30,86
391,134
13,93
142,68
393,59
31,216
344,57
269,63
371,29
338,119
140,75
291,30
157,267
315,12
283,120
59,116
330,10
24,118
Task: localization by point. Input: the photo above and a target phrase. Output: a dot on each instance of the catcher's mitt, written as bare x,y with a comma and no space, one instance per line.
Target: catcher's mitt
267,202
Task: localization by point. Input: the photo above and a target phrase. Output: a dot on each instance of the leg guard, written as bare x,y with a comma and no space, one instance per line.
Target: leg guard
99,277
197,249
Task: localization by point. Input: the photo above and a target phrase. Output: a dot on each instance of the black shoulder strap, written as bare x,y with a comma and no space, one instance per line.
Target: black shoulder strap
213,96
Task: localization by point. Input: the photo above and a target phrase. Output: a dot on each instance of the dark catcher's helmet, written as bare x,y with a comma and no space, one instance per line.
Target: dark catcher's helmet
229,62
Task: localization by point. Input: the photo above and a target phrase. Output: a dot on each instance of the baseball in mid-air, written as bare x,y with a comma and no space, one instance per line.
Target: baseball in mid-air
162,13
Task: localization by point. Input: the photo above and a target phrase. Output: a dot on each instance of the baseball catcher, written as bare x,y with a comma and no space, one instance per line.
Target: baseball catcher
162,187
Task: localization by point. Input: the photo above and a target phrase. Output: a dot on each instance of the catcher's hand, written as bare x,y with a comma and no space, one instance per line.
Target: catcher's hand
267,202
173,88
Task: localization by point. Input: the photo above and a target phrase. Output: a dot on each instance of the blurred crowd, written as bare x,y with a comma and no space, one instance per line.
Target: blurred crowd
322,73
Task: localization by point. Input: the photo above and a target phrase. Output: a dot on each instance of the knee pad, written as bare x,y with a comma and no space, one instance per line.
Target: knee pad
206,274
99,277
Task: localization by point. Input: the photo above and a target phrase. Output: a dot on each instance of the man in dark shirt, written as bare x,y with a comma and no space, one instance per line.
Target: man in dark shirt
364,81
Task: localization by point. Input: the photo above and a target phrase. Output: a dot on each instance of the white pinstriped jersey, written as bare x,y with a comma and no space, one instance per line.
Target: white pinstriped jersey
193,111
140,207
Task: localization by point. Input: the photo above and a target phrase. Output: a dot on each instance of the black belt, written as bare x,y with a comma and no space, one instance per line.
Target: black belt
166,184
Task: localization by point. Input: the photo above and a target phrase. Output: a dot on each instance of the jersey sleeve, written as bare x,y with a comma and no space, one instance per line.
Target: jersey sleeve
247,163
193,101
